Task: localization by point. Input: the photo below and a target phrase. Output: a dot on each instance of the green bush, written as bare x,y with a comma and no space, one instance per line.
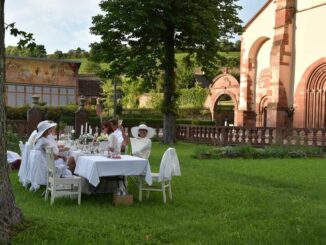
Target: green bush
193,97
17,113
202,153
274,151
12,140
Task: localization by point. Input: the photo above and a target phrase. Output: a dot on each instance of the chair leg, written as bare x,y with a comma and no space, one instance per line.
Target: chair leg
163,191
170,190
79,193
46,193
140,189
147,195
52,196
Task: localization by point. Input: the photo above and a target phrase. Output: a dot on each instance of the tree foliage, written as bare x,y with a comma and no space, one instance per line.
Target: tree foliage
37,51
193,98
77,53
139,38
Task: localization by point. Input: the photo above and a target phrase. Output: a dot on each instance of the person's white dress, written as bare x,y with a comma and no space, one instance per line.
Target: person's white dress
141,147
60,165
25,165
38,170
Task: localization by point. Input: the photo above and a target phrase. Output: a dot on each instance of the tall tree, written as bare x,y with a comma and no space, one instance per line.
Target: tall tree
9,213
139,38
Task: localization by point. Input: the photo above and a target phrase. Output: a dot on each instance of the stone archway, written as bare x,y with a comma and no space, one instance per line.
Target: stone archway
262,112
224,86
224,110
310,97
250,66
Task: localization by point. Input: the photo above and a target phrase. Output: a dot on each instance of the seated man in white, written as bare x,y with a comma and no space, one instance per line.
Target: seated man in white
141,144
37,158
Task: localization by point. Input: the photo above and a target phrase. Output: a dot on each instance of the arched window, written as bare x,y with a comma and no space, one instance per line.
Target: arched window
315,99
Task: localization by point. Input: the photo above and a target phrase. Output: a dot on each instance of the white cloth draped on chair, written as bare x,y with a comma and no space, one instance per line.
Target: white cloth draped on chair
12,156
169,167
25,165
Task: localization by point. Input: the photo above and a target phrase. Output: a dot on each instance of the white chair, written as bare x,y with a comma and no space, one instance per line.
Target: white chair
60,186
169,167
21,147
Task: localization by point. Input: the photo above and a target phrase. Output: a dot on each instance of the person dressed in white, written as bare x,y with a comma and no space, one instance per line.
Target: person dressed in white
59,161
118,134
38,164
25,165
141,144
113,142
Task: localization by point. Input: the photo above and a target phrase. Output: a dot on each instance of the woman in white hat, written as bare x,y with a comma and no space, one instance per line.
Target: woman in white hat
141,144
38,165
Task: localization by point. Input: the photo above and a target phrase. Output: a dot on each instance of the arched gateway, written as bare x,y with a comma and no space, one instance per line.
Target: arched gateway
224,90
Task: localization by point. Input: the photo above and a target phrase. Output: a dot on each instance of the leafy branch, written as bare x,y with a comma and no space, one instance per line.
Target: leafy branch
26,39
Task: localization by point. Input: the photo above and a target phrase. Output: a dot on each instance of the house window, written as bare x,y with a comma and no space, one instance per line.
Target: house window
19,95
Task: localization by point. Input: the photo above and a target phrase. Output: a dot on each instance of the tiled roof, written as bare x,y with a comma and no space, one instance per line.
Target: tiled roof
89,85
202,80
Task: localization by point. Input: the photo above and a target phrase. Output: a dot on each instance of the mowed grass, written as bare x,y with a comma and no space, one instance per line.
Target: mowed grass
240,201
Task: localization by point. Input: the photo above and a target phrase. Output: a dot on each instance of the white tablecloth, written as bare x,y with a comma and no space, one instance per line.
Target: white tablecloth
94,167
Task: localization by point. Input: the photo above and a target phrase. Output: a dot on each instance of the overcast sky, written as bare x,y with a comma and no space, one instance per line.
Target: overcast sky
64,24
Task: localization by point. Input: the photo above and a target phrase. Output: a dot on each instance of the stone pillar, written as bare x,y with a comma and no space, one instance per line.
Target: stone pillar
34,115
281,63
246,119
80,116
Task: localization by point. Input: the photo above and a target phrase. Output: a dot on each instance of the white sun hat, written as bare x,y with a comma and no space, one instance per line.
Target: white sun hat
150,131
42,127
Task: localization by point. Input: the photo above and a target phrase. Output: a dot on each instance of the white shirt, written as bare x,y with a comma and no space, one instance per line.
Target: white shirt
119,136
141,147
113,142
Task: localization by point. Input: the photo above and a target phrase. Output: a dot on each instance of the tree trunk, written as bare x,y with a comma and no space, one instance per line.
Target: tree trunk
9,213
169,104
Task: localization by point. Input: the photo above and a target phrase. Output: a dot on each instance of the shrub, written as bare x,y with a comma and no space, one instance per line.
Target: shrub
248,151
202,153
17,113
12,140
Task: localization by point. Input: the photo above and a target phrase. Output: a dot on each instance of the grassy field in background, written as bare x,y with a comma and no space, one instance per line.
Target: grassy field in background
240,201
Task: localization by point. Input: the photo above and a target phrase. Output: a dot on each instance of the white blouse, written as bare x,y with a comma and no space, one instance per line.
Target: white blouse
113,142
141,147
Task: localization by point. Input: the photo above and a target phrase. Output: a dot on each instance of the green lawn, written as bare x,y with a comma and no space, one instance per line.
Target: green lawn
273,201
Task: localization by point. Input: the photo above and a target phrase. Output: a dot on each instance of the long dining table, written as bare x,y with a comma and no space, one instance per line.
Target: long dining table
92,167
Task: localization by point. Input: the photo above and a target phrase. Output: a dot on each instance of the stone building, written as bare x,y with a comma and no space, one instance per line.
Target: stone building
56,81
283,67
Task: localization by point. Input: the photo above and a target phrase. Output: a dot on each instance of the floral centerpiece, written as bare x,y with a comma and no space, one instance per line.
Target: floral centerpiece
102,137
86,138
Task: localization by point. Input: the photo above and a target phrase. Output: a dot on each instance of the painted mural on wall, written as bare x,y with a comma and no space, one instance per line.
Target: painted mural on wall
41,72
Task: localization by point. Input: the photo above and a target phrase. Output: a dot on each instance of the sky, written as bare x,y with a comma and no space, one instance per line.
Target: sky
64,24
